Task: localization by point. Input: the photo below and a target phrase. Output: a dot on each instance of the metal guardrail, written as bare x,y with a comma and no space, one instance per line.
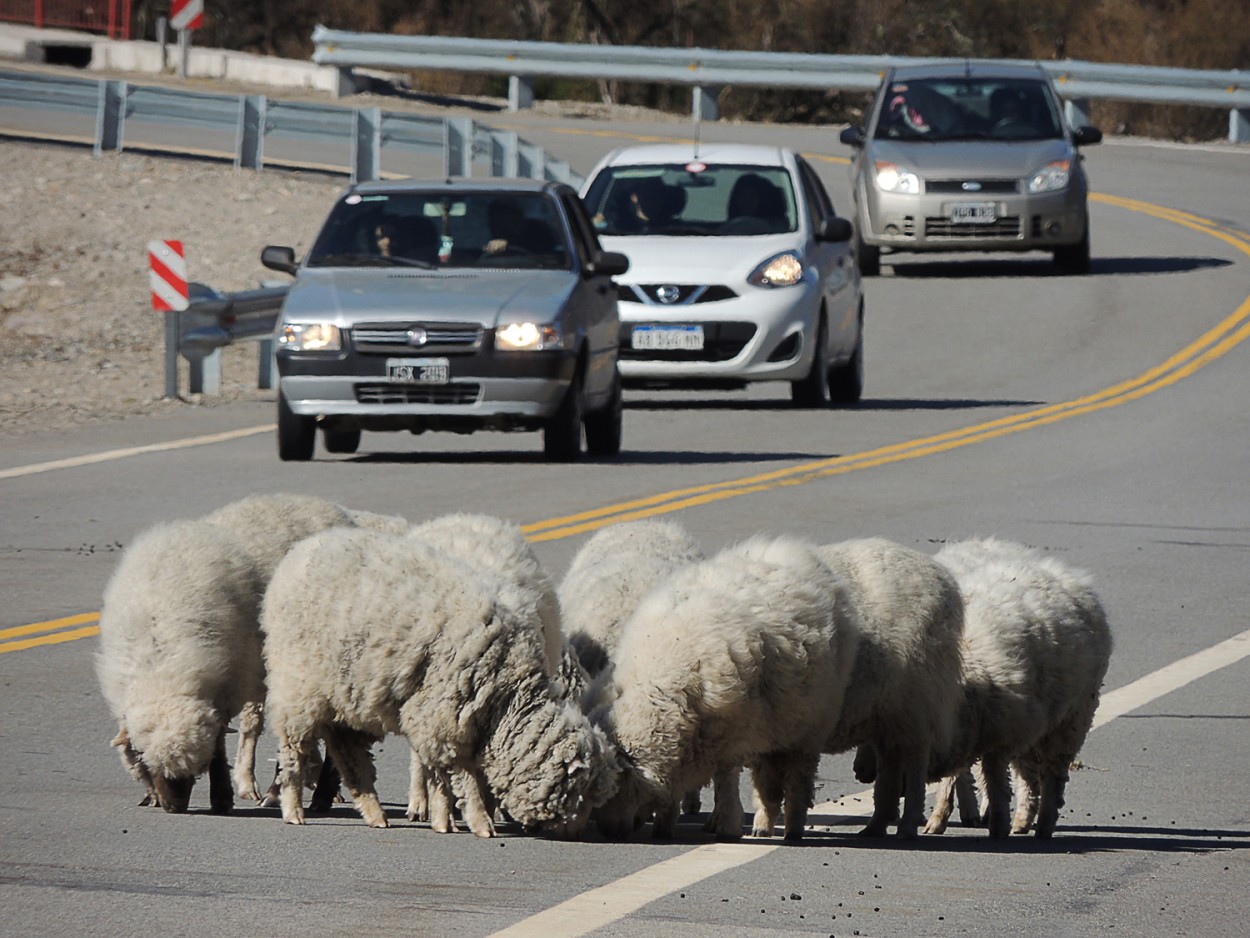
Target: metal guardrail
706,70
242,127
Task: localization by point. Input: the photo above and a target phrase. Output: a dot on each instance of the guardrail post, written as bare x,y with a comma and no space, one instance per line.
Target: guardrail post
520,92
249,153
367,144
530,161
1076,111
264,378
458,146
205,374
705,103
110,120
560,171
503,153
1239,125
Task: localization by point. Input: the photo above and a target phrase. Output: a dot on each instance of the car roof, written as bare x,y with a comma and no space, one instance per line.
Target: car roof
454,184
969,68
711,153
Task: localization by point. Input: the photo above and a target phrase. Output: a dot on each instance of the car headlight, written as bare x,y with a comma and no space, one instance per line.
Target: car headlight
310,337
781,270
1051,177
528,337
893,178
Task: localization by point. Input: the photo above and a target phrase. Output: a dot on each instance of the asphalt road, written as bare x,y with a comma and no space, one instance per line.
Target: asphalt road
1100,418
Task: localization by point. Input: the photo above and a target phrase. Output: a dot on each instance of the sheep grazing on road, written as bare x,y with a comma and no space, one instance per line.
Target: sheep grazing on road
737,660
411,640
180,656
905,687
610,574
1036,649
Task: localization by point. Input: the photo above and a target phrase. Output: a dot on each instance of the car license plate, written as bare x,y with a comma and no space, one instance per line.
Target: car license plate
685,338
418,370
972,213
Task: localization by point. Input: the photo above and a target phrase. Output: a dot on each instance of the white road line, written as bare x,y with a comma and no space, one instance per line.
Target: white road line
111,455
615,900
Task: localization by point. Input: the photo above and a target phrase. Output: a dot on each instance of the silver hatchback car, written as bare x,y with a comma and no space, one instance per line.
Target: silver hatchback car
974,156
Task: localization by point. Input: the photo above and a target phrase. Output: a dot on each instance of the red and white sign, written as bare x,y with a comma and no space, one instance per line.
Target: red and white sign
168,276
186,14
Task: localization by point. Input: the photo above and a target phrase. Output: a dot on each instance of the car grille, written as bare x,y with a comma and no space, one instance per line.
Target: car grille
687,294
984,186
390,338
1006,228
721,342
466,393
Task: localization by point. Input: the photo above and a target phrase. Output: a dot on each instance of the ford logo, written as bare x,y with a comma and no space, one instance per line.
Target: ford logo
971,187
668,294
418,336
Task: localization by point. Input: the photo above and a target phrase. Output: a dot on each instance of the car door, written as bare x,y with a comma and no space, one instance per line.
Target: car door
595,301
836,263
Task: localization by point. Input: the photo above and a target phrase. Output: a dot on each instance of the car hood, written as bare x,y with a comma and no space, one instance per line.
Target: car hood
482,296
971,158
660,259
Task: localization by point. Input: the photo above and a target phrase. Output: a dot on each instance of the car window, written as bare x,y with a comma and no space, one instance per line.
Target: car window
584,238
968,108
692,199
443,229
819,205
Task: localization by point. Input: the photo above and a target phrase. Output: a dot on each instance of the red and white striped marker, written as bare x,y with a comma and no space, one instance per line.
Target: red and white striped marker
186,14
168,276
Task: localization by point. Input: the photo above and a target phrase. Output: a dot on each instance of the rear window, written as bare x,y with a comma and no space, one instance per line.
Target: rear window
968,108
692,199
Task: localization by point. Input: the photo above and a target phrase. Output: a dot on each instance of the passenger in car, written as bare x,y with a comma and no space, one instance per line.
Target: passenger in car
756,206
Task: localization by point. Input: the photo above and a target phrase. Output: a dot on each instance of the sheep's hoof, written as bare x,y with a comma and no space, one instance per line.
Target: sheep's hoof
297,819
380,823
874,830
935,827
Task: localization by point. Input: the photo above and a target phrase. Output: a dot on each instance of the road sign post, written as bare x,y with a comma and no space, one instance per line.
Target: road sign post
185,16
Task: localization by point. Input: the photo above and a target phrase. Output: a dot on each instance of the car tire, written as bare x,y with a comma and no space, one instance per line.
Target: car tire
562,437
868,255
603,427
813,390
1074,258
846,382
341,441
297,435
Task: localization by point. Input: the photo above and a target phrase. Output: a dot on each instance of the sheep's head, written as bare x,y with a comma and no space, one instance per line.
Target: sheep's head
167,745
636,795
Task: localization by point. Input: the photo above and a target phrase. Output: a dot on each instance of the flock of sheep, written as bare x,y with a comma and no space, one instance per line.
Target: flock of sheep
649,671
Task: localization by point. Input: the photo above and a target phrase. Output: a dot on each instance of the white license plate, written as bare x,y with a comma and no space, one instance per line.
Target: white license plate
972,213
685,338
418,370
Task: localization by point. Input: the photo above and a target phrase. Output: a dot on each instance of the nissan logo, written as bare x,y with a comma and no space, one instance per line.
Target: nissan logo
418,336
668,294
971,187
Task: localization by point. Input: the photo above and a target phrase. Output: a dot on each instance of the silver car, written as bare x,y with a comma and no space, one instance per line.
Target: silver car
451,305
974,156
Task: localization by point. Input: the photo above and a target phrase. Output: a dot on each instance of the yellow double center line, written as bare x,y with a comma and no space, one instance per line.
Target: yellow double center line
1212,344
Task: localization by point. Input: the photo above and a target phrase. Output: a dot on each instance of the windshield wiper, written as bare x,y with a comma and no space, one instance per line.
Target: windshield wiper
367,260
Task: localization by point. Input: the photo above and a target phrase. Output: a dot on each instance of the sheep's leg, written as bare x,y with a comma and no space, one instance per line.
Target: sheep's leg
134,765
966,795
326,790
885,793
983,803
865,765
728,816
798,774
769,794
350,751
477,812
915,769
418,793
1053,783
220,787
692,803
441,799
251,723
665,821
998,790
942,806
1027,788
292,767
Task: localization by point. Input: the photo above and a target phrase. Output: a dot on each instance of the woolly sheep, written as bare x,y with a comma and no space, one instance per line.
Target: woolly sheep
1036,648
905,688
179,656
411,640
732,661
610,574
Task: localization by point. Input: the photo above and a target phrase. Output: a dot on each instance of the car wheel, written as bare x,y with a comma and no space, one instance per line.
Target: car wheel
846,382
813,390
562,437
297,435
603,427
869,256
1074,258
341,441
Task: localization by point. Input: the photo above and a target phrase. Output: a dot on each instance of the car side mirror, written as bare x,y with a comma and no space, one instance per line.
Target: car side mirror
1086,135
279,257
852,136
835,228
608,264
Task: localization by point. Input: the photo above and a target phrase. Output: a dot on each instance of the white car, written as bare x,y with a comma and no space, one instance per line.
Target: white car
739,270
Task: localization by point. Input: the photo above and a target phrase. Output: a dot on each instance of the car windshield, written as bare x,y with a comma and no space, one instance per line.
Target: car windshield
968,109
440,229
692,199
